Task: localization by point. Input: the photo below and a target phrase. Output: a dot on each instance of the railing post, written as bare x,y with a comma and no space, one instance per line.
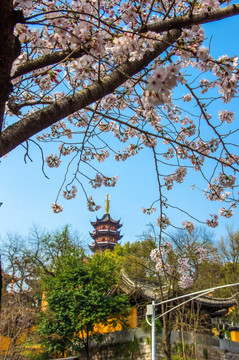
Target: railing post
153,330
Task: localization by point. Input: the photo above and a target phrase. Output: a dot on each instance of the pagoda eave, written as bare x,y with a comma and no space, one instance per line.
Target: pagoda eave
106,219
102,246
115,236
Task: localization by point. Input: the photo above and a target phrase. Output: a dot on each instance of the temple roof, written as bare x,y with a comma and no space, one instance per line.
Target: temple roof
217,306
150,291
106,219
147,289
106,232
100,245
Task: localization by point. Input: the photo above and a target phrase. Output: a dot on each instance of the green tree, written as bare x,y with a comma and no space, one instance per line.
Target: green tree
229,247
79,297
134,258
26,261
229,260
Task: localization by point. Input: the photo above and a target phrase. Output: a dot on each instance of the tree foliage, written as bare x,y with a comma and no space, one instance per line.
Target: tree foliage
78,288
229,253
87,72
134,258
78,298
178,265
26,260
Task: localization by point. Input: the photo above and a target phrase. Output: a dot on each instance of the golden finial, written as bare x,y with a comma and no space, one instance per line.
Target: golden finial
107,204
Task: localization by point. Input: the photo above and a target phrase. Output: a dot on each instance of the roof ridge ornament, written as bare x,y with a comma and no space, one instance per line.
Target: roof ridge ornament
107,204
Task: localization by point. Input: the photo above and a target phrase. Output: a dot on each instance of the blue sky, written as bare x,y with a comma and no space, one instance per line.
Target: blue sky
27,195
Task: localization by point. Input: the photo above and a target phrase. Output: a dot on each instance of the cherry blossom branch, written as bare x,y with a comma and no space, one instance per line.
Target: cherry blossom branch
186,213
47,60
207,120
28,126
165,25
165,137
188,21
42,157
161,218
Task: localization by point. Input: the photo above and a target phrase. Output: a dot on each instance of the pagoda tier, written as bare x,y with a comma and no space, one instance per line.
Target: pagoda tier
102,246
106,232
106,220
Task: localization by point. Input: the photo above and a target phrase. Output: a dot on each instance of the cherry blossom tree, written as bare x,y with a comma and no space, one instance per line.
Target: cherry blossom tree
176,267
180,264
81,74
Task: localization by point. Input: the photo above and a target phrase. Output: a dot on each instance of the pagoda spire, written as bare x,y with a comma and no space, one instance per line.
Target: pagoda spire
107,204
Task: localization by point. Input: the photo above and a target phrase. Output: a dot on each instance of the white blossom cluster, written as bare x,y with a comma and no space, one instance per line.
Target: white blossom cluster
183,267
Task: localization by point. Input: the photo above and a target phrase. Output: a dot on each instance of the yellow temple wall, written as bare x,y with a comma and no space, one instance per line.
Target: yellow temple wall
4,343
131,321
235,336
99,328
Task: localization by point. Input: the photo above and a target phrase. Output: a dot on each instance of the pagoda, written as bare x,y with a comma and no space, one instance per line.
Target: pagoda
106,232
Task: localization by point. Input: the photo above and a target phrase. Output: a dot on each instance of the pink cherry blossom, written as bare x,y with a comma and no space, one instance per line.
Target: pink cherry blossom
167,246
24,3
92,205
226,180
161,82
163,221
70,194
226,116
155,255
224,212
213,222
184,265
149,211
53,161
177,176
185,281
187,97
203,252
189,226
56,208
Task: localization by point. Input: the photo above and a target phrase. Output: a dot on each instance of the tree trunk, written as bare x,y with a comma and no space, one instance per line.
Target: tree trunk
87,350
167,327
10,49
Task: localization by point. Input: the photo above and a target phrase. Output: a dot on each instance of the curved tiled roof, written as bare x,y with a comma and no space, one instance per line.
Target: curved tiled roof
218,302
100,245
215,306
106,232
147,289
106,219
